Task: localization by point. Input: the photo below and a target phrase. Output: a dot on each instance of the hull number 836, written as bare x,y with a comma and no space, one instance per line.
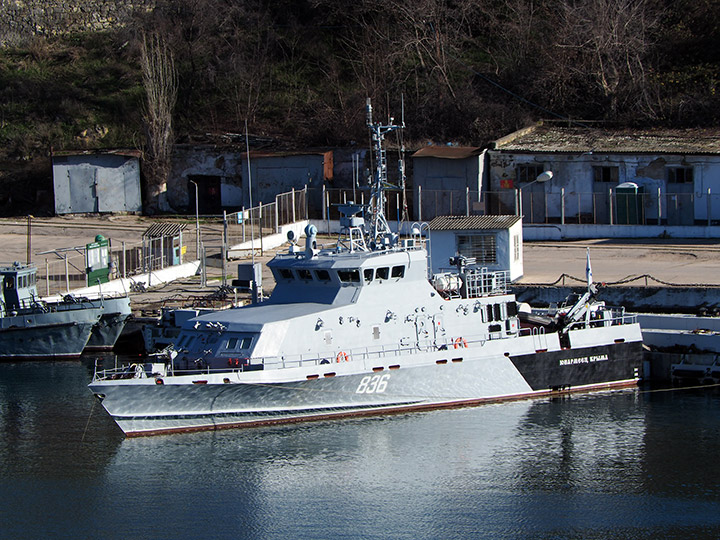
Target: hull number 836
373,384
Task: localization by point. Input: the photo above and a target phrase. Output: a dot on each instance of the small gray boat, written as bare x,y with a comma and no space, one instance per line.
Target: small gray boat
106,332
30,328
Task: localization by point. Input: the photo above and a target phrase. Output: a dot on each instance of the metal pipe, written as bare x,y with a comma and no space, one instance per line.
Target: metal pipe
197,221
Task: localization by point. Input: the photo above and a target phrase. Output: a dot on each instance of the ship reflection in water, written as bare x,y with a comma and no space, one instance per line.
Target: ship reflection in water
627,464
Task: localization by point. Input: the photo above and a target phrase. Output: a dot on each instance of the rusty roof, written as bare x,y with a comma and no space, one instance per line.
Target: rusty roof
448,152
465,223
549,138
126,152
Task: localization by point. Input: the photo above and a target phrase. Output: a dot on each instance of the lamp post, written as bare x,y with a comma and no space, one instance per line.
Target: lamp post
197,223
541,179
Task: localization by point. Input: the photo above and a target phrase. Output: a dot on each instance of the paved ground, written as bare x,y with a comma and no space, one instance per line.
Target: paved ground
631,262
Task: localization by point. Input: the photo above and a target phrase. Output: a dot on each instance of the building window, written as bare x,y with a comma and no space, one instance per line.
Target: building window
516,247
478,246
680,175
606,174
528,173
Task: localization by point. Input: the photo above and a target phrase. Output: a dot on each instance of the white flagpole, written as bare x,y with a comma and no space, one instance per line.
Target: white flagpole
588,270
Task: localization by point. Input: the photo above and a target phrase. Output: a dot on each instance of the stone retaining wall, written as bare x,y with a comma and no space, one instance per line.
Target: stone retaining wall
20,20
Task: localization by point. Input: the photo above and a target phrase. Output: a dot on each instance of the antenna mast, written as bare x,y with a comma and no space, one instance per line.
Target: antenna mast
380,233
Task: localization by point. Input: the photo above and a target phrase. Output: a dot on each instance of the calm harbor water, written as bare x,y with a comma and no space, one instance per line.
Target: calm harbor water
632,464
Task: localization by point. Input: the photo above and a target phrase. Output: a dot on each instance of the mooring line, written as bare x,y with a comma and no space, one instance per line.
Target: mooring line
88,420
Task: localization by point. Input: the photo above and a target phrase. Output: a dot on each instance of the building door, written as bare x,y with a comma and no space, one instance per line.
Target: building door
208,194
83,190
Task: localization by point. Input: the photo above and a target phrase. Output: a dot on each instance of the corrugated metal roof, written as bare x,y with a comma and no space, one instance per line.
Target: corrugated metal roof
548,138
464,223
448,152
99,152
157,230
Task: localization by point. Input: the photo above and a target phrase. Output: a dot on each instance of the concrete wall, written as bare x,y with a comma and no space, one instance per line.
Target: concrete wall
444,182
270,174
21,20
574,174
191,160
691,300
576,232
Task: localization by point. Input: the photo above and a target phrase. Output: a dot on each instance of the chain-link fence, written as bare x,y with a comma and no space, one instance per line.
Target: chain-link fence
67,270
612,207
264,219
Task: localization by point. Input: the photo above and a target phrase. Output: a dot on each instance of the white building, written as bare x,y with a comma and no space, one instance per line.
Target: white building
495,242
609,177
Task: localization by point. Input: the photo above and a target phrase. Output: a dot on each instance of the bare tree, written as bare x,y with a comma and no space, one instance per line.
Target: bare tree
605,43
161,84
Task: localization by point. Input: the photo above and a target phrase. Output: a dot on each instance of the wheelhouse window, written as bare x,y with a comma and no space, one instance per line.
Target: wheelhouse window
304,274
606,174
349,276
368,275
482,247
398,271
528,173
238,343
286,273
382,273
322,275
680,175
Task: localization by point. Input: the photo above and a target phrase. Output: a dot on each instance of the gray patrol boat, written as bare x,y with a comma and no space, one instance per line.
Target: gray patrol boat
31,328
361,328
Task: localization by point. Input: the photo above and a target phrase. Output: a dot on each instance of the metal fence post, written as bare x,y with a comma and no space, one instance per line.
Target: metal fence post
709,207
67,275
327,209
47,277
224,246
562,206
124,260
659,207
578,206
277,218
419,203
467,201
610,198
293,204
307,204
324,211
203,269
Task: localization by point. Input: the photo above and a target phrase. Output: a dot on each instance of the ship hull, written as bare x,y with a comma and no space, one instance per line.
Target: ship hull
107,331
45,341
440,379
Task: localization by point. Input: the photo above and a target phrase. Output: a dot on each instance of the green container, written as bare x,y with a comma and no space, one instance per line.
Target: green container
629,198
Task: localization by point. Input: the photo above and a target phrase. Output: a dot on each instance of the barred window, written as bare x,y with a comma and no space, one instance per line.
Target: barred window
606,174
680,175
480,246
528,173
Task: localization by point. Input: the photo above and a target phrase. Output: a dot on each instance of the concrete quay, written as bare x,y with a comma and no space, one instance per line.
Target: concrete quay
642,274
